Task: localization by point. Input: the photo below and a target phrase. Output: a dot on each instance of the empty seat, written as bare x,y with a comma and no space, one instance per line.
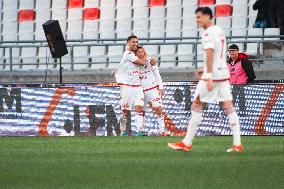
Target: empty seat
239,22
57,4
91,3
173,33
107,3
157,34
75,4
220,2
99,58
91,14
173,2
75,25
174,11
74,35
90,35
185,55
29,59
43,15
107,35
157,2
107,24
123,24
185,3
10,15
123,33
157,24
223,22
173,23
141,12
271,31
189,33
59,14
75,14
26,4
91,25
107,12
189,23
206,2
252,47
152,50
239,32
223,10
240,9
124,12
167,56
157,12
26,15
140,3
123,3
10,27
114,55
81,58
42,4
189,11
10,5
26,27
140,34
140,24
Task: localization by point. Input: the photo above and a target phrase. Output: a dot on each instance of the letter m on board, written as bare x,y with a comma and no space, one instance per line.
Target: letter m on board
15,95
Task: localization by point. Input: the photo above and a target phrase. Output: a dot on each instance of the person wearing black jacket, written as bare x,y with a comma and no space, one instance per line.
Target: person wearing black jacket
241,73
262,16
275,12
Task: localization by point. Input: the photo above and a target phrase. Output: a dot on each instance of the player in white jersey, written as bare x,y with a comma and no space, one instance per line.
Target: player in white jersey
152,86
131,92
213,85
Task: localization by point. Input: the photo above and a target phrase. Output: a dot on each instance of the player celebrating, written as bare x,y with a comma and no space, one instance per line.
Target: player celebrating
152,85
213,84
131,93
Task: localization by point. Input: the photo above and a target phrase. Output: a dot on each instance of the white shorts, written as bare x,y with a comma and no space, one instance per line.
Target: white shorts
220,93
153,96
130,97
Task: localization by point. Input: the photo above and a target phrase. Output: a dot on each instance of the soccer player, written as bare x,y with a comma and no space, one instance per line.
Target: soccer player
213,85
131,92
152,86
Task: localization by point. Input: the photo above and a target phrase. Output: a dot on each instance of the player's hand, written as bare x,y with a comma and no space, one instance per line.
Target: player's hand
162,92
198,73
209,84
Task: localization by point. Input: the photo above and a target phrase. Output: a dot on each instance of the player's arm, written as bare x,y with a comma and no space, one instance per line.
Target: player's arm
140,62
209,63
158,77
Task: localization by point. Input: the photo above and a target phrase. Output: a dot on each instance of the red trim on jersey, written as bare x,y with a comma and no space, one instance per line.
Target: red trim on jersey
151,88
129,85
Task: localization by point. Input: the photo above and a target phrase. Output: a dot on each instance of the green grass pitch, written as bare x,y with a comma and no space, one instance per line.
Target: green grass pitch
139,162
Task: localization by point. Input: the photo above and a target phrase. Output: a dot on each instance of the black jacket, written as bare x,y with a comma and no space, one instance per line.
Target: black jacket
261,6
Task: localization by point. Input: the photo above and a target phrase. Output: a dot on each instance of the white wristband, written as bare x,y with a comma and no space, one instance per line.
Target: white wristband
206,76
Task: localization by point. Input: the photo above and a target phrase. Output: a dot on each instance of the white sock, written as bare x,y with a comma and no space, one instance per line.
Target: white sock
235,127
192,127
161,122
139,120
122,123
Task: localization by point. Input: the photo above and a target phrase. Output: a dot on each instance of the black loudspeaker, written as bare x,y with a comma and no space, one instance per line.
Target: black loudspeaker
55,38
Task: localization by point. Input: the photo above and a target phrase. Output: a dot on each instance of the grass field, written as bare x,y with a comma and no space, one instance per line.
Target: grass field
139,162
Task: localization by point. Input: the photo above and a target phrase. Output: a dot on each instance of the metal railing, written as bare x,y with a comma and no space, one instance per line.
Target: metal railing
194,41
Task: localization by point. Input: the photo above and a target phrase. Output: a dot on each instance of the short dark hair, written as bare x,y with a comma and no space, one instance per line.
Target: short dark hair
233,47
205,10
131,37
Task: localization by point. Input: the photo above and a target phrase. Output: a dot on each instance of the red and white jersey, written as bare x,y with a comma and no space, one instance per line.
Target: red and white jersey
213,38
127,73
148,76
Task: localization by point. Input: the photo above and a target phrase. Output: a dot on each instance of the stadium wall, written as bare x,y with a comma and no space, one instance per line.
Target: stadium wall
89,110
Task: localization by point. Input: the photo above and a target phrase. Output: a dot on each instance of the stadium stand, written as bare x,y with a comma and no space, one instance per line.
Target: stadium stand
167,28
